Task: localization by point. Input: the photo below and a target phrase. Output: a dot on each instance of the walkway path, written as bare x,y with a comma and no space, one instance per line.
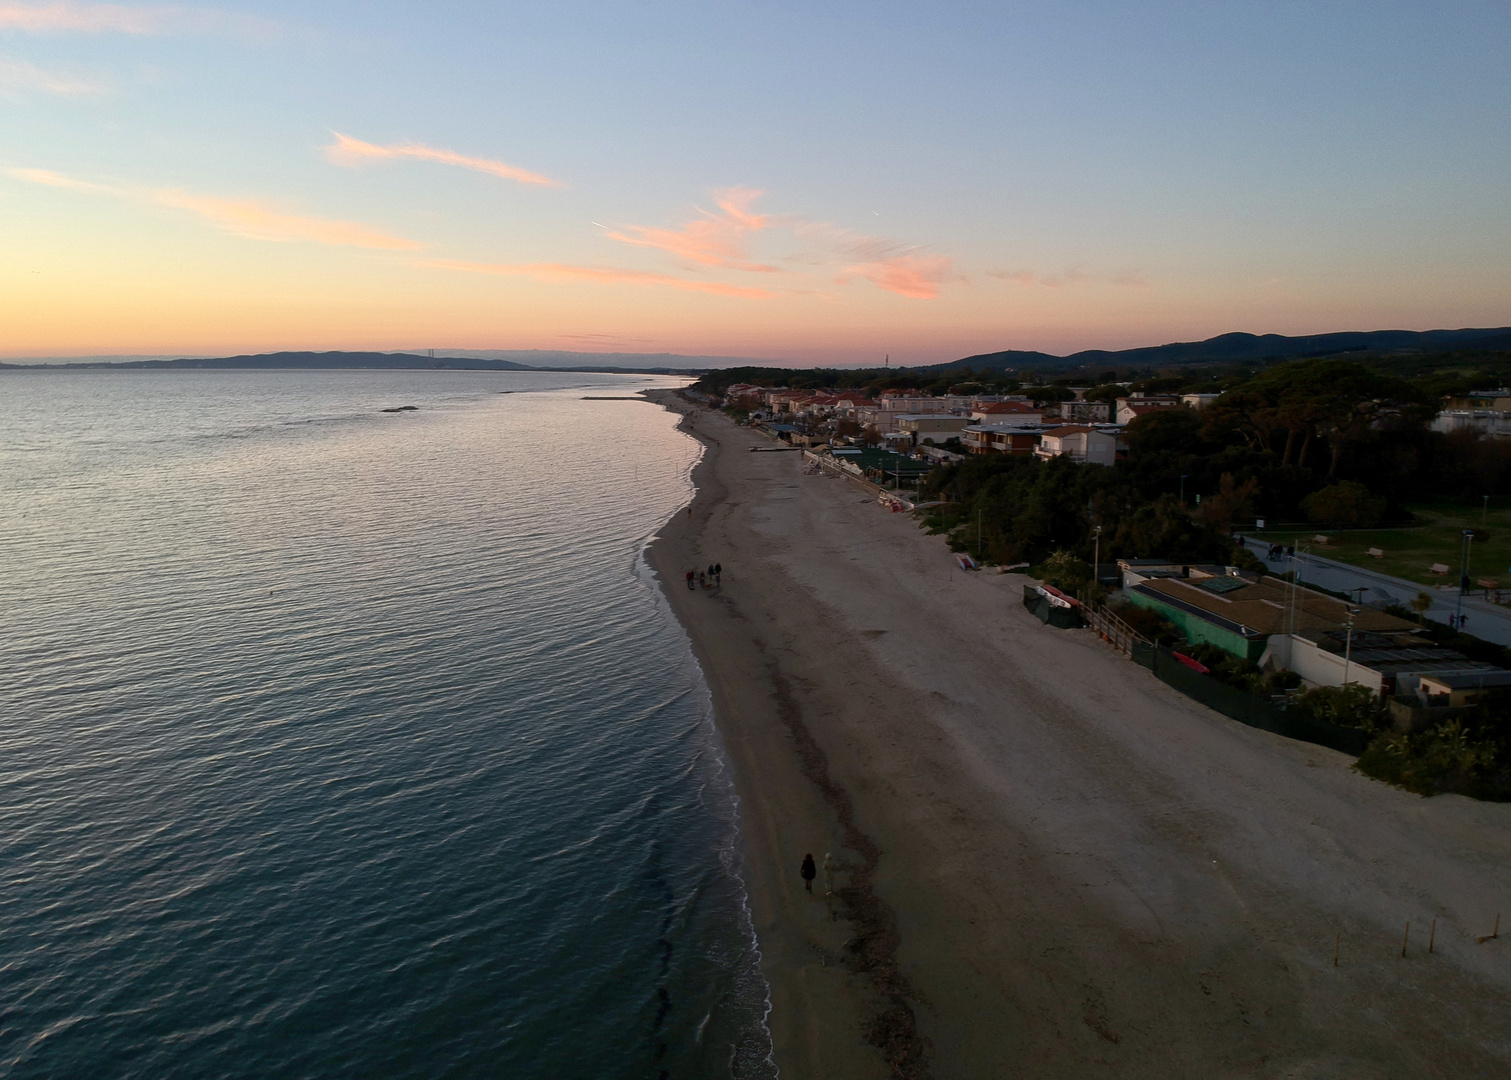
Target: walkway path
1486,620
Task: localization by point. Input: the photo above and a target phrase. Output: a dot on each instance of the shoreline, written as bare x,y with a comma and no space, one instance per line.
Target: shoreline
817,1044
1055,866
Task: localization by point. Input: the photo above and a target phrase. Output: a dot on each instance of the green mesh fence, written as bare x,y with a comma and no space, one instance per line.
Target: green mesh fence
1247,708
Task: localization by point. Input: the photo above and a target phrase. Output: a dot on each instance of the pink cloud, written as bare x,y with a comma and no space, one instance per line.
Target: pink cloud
352,152
242,217
258,221
563,273
713,240
1130,279
48,178
65,17
915,276
1073,276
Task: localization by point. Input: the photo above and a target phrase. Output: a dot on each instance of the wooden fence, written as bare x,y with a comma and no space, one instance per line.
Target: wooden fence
1112,629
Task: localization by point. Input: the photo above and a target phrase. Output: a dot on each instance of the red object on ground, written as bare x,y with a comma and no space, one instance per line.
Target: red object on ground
1052,591
1194,665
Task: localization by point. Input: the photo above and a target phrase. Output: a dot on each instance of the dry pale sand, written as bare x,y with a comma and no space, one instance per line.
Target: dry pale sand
1056,865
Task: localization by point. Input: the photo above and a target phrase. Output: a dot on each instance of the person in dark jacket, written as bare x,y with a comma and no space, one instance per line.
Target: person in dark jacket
809,872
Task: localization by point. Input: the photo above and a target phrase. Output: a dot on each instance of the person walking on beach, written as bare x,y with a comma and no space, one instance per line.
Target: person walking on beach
690,579
809,872
831,864
718,572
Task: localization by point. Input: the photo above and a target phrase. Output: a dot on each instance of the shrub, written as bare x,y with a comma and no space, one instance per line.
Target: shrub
1149,625
1450,757
1064,571
1347,706
1344,503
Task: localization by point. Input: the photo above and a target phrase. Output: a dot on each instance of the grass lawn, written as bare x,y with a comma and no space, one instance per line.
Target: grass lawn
1436,537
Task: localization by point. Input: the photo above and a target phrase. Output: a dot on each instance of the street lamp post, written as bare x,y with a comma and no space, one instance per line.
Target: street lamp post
1348,643
1458,614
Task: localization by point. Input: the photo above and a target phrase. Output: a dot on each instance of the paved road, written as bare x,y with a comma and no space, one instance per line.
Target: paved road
1486,620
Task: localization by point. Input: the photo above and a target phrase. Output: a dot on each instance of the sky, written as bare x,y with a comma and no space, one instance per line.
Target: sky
814,182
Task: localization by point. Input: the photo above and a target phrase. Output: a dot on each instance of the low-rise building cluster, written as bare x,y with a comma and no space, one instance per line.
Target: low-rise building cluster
1087,431
1327,641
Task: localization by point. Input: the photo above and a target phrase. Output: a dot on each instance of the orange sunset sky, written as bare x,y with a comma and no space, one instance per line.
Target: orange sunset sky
807,183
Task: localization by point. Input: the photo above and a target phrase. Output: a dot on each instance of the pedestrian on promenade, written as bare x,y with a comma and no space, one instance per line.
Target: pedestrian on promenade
809,872
831,864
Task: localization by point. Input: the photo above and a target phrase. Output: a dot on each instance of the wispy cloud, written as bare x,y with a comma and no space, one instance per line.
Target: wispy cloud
56,179
832,241
905,269
258,221
564,273
353,152
714,239
18,76
915,276
719,238
70,18
249,218
1128,279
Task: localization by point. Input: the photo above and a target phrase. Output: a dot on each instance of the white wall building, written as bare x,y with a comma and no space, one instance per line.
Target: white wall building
1083,444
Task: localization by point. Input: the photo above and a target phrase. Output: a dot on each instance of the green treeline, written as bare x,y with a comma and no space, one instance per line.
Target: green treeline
1325,441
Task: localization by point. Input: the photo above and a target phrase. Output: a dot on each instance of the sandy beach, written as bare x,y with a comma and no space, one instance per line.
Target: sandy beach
1054,864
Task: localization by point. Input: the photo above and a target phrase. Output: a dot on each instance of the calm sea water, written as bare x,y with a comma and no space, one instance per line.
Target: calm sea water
336,742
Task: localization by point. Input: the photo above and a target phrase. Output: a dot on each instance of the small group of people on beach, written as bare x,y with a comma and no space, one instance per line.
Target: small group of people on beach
809,871
706,579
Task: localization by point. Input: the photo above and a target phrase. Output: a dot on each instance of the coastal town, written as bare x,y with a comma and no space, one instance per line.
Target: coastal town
1208,599
1060,733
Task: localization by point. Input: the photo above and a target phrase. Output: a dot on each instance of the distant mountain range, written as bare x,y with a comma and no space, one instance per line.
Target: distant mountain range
1238,348
1225,348
659,363
583,361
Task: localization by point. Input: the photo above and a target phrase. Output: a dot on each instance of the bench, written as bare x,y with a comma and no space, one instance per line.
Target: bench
1375,553
1437,568
1319,539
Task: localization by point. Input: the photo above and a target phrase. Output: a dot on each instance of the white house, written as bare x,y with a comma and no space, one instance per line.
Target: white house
1130,408
1081,443
1006,412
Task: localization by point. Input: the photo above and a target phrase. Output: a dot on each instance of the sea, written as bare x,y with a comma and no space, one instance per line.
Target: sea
341,742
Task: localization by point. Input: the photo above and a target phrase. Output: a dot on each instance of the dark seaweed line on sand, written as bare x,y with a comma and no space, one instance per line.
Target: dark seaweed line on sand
873,949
